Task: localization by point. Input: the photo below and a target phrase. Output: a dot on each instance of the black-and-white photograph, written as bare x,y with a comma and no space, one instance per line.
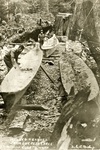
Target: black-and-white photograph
49,74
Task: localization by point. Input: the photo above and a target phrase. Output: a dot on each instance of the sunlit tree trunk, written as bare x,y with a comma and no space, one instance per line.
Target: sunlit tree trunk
90,31
86,18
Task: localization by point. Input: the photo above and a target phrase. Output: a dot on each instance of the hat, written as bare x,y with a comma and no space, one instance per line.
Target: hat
21,46
31,40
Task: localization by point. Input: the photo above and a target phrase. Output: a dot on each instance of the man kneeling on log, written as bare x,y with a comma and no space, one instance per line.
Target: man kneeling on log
11,56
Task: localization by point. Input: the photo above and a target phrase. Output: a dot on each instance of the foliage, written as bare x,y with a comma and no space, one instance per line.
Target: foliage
3,10
53,6
34,6
24,6
18,7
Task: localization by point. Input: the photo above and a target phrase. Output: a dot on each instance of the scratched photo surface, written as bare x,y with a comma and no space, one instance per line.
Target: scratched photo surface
49,74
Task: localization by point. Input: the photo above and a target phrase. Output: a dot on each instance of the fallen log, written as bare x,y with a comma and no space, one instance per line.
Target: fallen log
25,36
69,110
33,107
23,43
28,107
47,74
17,125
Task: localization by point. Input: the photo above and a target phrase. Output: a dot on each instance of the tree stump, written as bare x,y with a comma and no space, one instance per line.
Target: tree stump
61,23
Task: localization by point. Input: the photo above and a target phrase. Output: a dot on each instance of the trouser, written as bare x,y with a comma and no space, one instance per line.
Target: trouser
8,62
41,43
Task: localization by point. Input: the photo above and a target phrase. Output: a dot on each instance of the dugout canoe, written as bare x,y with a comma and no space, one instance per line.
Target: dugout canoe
75,73
18,80
50,45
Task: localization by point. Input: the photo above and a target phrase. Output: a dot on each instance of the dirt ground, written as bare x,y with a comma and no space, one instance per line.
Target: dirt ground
38,125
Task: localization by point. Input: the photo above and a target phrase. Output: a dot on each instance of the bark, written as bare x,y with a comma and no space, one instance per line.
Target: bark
58,25
90,32
69,110
84,19
61,24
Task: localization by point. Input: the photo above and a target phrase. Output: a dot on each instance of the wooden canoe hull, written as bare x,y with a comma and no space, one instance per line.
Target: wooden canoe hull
18,80
49,52
50,45
12,99
67,74
74,72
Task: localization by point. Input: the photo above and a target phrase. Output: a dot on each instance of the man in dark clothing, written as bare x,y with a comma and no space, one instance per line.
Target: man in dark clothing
11,57
41,38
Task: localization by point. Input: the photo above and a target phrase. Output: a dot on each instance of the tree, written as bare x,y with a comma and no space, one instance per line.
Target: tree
34,6
87,18
3,10
17,7
44,5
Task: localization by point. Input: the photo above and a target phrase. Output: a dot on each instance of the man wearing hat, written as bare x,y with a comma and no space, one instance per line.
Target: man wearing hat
41,37
11,56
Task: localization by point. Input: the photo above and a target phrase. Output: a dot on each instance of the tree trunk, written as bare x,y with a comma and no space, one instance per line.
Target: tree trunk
90,32
69,110
61,24
84,19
